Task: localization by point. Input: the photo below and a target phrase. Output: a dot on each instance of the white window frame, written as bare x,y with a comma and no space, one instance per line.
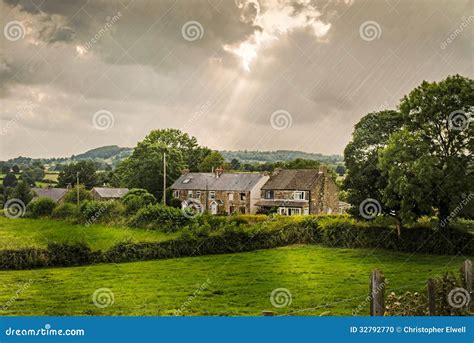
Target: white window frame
190,194
298,195
269,195
230,196
176,194
197,195
212,195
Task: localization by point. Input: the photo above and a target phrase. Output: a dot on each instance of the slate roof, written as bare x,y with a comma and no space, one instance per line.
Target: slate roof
104,192
225,182
293,179
53,193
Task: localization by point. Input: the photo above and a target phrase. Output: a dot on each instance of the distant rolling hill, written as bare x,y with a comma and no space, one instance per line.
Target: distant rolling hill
113,154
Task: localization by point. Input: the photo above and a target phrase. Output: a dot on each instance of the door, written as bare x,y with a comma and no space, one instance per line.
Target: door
213,207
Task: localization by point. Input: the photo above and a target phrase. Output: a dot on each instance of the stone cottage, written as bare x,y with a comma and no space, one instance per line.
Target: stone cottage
299,191
219,192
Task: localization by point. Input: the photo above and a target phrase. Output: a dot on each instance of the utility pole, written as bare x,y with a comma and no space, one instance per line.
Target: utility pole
77,187
164,178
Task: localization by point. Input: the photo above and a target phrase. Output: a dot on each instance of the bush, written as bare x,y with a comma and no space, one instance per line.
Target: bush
65,211
71,195
41,207
447,288
159,217
137,198
92,211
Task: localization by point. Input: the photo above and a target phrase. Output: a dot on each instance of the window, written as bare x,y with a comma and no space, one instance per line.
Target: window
197,195
186,180
289,211
230,196
176,194
242,209
190,194
298,195
242,196
212,195
268,194
306,210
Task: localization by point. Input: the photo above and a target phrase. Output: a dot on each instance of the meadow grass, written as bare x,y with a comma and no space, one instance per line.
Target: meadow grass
22,233
322,281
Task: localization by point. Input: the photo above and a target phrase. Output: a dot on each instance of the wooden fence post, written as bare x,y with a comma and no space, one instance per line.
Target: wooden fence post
431,297
377,288
466,275
267,313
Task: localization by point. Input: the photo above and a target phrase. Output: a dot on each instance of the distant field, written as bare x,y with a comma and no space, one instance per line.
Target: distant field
21,232
322,281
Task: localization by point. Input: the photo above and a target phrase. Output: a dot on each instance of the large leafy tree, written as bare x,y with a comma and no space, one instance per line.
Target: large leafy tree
434,150
212,161
144,168
191,152
9,180
23,192
87,174
364,179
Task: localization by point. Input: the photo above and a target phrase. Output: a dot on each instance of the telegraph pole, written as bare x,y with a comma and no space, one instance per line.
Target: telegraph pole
77,187
164,178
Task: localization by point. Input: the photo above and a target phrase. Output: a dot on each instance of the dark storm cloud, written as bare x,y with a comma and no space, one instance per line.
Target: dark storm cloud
252,58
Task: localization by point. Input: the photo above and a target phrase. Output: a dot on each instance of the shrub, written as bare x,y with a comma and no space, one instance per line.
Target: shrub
137,198
65,211
159,217
41,207
71,195
92,211
447,288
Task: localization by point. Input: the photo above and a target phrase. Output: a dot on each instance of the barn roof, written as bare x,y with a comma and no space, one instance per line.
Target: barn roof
115,193
53,193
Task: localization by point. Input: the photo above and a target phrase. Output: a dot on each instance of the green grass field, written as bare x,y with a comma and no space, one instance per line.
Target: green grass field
322,281
21,233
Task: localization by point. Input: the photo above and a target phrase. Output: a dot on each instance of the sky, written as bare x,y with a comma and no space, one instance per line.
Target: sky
243,74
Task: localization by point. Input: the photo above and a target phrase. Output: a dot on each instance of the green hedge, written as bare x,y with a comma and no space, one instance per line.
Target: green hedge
234,237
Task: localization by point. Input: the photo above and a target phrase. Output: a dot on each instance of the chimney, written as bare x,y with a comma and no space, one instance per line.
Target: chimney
184,171
276,171
219,171
323,169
